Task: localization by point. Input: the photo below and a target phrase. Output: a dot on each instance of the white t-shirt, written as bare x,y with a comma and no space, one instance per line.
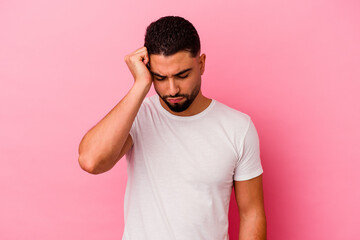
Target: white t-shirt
181,171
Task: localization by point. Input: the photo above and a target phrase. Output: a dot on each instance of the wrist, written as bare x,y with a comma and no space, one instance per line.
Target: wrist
141,87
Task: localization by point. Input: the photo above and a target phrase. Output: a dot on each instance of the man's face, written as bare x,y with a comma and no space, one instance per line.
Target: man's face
177,77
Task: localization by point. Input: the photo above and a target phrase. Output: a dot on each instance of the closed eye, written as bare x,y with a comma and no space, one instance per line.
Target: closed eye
160,79
183,76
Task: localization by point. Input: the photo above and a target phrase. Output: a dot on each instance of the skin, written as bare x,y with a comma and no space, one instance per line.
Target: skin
169,84
250,201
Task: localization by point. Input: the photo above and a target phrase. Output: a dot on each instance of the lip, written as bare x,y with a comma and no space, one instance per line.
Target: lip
175,100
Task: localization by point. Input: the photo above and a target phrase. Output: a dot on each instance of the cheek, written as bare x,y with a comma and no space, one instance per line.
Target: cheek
160,88
157,85
193,82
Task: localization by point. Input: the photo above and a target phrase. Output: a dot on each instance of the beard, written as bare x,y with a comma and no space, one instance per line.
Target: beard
185,104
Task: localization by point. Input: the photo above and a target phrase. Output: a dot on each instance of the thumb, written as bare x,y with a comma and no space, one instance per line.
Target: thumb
146,59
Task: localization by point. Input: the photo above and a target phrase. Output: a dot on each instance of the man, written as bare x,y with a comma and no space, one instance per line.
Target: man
184,151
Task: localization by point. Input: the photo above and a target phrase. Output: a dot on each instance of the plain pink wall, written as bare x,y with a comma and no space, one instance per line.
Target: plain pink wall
293,66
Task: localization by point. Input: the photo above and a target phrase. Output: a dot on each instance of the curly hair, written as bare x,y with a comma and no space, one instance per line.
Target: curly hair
171,34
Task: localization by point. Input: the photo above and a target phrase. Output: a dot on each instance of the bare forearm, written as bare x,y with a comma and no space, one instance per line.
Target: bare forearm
102,144
253,227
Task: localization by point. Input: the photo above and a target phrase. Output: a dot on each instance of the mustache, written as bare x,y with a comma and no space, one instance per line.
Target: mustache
176,96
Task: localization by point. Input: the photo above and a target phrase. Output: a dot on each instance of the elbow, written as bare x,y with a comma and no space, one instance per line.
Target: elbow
87,165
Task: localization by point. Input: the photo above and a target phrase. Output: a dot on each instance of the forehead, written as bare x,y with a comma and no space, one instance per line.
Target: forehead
165,65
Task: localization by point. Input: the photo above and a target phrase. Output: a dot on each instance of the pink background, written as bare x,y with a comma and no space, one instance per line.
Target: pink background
293,66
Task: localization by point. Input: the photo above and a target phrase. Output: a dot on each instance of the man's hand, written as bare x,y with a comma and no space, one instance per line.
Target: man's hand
137,63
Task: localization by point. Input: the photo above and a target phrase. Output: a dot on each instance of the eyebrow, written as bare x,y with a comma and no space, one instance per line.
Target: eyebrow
177,74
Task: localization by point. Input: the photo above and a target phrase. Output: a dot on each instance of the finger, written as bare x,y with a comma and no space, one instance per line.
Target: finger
142,56
139,50
146,58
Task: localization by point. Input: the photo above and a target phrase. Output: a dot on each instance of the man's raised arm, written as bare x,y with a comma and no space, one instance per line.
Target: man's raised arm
100,148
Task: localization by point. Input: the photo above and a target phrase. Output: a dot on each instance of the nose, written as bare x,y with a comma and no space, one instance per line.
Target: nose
173,87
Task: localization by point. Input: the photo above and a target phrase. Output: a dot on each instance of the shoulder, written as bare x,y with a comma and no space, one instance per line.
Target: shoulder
148,100
148,103
231,115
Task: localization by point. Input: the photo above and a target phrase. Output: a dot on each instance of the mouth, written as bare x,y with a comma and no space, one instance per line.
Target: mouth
175,100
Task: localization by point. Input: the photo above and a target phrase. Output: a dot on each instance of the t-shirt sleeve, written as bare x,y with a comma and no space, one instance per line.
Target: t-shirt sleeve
132,131
135,125
249,164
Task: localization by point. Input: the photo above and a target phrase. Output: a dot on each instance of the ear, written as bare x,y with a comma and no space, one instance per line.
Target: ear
202,63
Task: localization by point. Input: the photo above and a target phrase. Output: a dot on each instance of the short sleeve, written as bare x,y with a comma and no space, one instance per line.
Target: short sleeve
132,131
135,125
249,164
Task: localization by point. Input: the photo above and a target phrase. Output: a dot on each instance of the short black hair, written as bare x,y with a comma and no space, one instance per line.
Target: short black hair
171,34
